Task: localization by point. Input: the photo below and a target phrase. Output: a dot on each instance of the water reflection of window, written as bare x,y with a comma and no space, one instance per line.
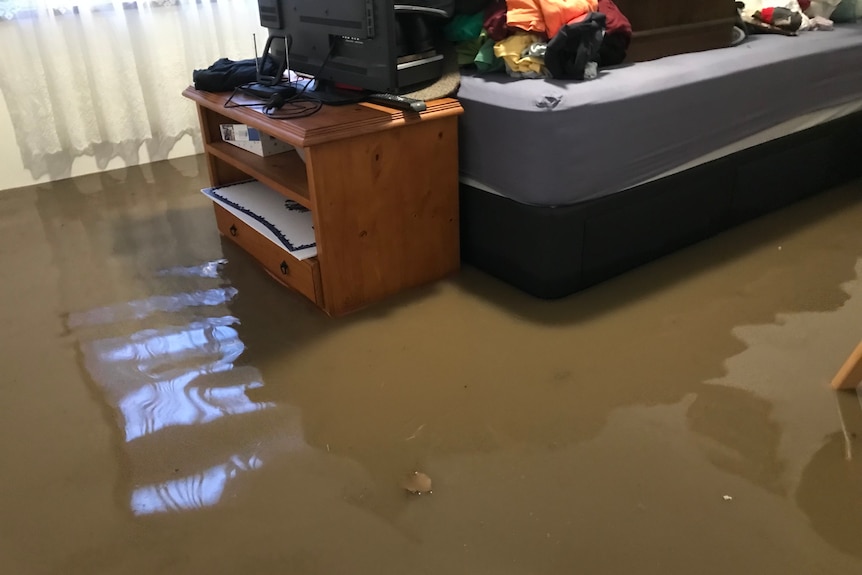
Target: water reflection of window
139,309
193,492
180,375
205,270
166,377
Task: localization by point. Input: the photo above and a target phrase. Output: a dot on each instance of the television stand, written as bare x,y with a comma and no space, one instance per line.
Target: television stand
381,185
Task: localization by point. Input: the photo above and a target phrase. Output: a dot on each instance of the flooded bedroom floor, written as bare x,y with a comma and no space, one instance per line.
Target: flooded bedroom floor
165,407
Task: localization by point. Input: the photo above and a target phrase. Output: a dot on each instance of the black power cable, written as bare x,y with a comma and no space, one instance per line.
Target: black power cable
298,105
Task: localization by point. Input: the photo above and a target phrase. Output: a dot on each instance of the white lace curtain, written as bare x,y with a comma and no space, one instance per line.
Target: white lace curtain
102,78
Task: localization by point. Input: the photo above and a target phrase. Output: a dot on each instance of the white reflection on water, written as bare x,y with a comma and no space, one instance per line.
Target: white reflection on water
165,377
205,270
181,376
192,492
139,309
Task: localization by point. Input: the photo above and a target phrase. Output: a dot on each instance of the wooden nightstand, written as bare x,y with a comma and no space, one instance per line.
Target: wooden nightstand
382,186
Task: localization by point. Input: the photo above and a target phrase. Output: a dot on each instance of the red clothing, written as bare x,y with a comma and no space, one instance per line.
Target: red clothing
616,21
495,21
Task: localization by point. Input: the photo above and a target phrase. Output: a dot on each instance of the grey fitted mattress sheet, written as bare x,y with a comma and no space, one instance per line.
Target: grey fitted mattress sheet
548,143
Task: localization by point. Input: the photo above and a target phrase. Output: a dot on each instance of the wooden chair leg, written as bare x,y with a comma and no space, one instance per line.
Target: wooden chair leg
850,374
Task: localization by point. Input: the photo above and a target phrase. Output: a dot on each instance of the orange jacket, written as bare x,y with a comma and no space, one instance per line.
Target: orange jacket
546,16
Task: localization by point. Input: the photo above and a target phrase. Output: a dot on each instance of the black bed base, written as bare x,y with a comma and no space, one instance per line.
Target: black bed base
552,252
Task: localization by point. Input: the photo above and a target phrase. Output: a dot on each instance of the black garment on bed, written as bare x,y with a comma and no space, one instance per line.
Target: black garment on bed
614,49
574,46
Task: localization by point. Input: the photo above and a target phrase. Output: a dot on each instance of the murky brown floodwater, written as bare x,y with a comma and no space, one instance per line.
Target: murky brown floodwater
166,408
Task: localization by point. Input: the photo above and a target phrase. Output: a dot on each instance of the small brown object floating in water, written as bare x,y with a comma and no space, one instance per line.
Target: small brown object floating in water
417,483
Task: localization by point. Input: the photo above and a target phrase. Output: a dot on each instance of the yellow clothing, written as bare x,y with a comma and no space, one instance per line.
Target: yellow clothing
510,50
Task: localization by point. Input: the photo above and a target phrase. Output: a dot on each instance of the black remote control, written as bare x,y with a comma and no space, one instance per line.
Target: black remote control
399,102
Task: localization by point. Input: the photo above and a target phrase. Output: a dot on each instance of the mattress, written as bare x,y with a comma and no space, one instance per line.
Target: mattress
551,143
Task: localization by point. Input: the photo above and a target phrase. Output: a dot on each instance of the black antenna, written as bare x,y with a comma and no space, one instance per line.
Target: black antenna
256,60
267,86
262,78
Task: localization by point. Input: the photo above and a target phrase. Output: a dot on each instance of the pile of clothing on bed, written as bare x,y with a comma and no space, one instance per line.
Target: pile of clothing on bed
562,39
789,17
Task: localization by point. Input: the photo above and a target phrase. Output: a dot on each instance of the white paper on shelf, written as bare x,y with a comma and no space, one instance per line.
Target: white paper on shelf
283,222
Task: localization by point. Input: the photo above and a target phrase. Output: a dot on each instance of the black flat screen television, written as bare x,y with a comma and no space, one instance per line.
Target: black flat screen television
366,45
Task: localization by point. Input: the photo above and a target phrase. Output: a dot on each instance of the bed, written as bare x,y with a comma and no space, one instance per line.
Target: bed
567,184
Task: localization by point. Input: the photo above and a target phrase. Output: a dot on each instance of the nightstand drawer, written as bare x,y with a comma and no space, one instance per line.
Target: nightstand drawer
301,275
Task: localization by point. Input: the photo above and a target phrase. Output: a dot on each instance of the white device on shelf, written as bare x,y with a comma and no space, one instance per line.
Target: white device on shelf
252,140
